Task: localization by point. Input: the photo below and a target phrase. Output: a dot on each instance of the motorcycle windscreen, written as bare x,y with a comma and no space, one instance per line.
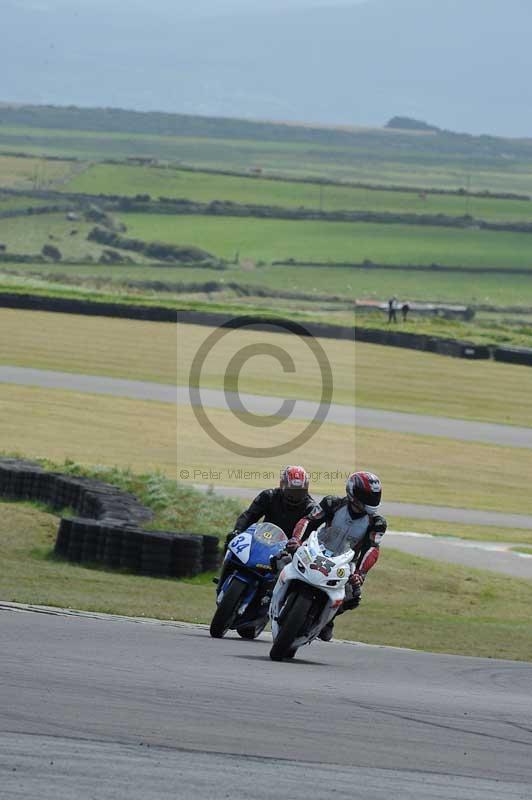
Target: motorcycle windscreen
269,534
335,541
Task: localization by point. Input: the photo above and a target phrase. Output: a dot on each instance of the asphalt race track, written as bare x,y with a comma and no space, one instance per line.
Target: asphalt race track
463,516
421,424
96,707
508,435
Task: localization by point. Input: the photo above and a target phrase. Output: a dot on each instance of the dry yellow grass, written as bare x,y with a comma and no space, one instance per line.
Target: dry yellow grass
380,377
88,428
120,348
415,469
146,436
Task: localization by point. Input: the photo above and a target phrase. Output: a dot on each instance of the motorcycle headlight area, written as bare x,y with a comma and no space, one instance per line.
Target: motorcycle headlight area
303,559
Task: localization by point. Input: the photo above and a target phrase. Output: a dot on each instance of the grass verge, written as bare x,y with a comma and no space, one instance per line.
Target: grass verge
147,436
415,602
475,533
408,601
161,352
118,348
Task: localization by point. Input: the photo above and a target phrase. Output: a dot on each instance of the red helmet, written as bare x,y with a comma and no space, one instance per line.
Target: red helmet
294,485
364,491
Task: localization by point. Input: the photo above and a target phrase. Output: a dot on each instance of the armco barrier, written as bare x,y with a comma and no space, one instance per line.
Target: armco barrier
108,529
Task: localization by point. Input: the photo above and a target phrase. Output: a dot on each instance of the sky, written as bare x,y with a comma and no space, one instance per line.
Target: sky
463,65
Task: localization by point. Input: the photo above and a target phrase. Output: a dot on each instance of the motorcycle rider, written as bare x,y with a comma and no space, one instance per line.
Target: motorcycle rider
283,506
356,513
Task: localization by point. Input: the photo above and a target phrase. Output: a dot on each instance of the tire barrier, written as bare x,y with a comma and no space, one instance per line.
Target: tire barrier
108,530
389,338
91,308
420,341
513,355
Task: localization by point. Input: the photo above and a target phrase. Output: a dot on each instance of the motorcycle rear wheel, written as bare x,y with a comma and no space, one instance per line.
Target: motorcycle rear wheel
225,614
289,629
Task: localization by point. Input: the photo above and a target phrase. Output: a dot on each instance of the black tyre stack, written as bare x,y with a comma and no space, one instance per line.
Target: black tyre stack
187,555
75,544
131,553
112,548
211,553
63,538
108,528
91,536
156,553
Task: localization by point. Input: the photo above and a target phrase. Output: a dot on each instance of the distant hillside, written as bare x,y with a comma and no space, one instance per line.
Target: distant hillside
382,143
410,124
465,65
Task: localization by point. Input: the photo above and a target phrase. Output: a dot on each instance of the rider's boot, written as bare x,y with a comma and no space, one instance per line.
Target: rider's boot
326,633
352,601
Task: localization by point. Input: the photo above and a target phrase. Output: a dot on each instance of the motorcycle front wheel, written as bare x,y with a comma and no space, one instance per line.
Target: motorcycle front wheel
251,631
225,614
292,622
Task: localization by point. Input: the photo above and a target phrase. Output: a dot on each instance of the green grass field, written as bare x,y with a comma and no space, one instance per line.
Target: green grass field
271,240
204,187
27,235
369,160
10,203
459,288
446,608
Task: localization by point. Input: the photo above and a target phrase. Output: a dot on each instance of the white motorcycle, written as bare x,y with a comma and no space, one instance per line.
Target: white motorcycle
309,590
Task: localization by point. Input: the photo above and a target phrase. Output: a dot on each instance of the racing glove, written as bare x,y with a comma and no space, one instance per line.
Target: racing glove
357,579
292,545
229,537
378,524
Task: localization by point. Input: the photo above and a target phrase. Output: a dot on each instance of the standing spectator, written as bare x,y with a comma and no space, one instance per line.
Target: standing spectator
405,308
392,308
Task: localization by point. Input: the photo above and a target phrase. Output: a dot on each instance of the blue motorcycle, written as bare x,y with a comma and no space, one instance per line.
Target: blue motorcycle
247,580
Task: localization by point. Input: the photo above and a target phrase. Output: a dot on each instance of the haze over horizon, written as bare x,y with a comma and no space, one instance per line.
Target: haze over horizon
462,65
